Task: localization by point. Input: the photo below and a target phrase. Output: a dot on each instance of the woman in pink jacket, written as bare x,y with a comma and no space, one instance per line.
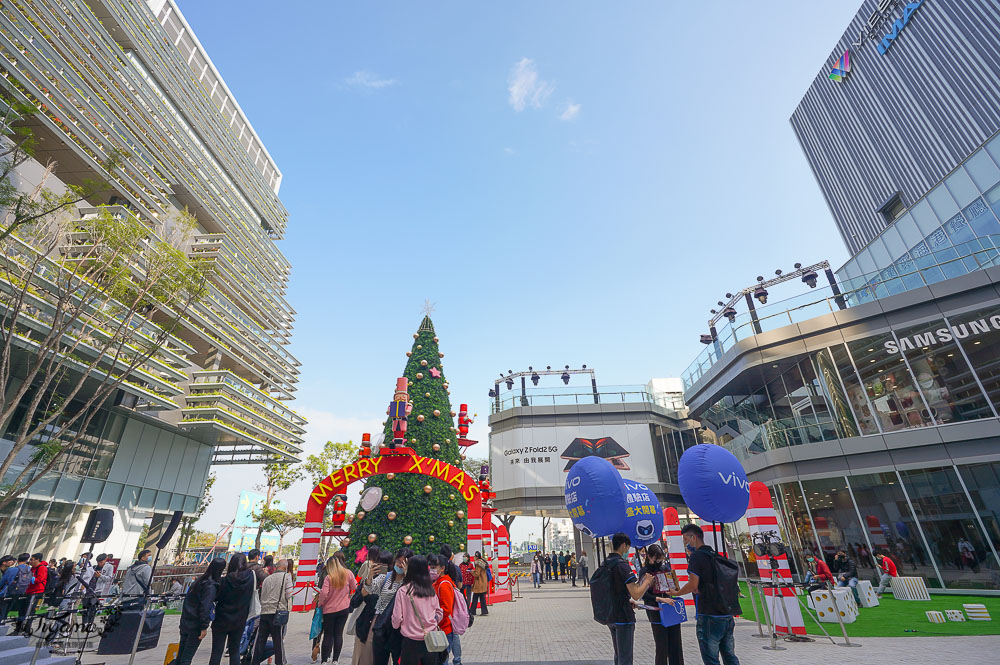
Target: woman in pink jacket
416,612
334,599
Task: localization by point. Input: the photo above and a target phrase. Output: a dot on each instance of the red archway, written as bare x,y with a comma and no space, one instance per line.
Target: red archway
337,482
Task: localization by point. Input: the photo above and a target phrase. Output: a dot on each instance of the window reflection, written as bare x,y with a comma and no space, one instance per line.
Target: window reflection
835,519
856,393
983,348
888,384
983,483
947,383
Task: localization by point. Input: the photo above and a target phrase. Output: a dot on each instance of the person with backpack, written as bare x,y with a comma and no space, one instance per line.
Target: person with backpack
8,571
232,608
196,612
714,580
17,588
612,590
416,612
456,614
41,580
275,603
451,570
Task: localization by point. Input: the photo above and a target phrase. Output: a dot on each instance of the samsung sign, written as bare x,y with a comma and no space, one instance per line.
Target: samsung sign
943,335
897,27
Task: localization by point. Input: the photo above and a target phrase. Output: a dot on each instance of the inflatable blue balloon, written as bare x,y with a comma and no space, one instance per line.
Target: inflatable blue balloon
713,483
594,497
643,522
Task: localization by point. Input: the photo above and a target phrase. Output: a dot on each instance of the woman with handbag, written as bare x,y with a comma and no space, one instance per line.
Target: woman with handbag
667,639
232,606
334,599
416,614
275,601
386,640
369,593
481,586
196,612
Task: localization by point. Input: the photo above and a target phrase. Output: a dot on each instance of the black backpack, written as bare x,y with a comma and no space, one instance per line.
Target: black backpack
22,580
723,590
601,593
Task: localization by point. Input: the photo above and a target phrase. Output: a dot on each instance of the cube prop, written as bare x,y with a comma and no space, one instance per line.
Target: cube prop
845,605
954,615
977,612
867,594
934,616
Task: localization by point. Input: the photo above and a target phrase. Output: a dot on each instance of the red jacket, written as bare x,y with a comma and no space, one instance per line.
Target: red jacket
888,566
41,574
445,589
823,573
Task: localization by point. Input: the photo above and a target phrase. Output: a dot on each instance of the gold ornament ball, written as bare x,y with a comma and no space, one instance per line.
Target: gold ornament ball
407,540
430,539
415,335
462,455
453,414
423,363
428,489
390,476
409,384
361,514
437,413
436,447
420,418
440,355
436,339
385,498
451,522
445,385
460,514
458,461
419,346
345,542
461,546
372,537
427,394
447,440
413,440
451,497
409,353
391,515
420,375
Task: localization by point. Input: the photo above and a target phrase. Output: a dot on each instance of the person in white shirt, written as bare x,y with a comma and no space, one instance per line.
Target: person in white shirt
85,569
104,575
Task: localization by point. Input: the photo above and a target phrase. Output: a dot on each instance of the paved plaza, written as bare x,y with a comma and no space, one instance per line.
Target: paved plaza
554,625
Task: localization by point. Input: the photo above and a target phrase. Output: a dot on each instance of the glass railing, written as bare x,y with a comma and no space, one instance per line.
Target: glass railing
571,396
930,269
782,433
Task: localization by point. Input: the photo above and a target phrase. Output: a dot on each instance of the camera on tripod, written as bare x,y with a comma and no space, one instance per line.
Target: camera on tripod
768,544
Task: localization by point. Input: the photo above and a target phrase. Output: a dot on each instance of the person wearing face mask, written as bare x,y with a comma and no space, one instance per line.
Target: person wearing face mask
468,577
444,588
819,573
386,640
667,639
847,573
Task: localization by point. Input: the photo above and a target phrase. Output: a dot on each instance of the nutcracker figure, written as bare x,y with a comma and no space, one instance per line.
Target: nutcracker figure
464,421
398,410
339,508
366,446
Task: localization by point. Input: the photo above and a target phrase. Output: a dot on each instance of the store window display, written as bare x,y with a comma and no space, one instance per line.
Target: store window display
891,390
857,397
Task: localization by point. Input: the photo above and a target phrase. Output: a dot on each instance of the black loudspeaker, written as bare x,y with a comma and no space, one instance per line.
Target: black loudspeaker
120,630
169,533
99,525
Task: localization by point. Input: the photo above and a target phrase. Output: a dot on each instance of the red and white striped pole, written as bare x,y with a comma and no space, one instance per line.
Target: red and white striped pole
762,518
675,550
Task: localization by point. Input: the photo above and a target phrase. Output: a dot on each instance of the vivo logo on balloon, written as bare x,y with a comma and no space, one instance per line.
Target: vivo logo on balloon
731,479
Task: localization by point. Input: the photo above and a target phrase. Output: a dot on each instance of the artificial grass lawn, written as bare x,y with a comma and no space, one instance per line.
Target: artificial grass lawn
893,616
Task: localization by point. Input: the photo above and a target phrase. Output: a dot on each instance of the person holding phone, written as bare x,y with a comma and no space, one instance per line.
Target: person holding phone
667,639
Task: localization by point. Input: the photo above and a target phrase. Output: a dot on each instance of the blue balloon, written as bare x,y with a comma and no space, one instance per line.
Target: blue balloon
594,497
643,517
713,483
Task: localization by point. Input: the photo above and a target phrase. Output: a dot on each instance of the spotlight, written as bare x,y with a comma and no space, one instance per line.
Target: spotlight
810,279
798,265
707,339
510,383
493,393
729,295
760,293
712,311
778,273
548,367
720,304
730,314
759,279
534,378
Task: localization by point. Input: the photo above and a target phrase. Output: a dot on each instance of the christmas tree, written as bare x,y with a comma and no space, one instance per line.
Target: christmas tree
409,513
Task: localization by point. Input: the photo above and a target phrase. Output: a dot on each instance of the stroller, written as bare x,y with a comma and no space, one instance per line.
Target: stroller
249,639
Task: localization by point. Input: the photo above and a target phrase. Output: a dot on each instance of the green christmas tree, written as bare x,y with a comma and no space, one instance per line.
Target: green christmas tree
431,433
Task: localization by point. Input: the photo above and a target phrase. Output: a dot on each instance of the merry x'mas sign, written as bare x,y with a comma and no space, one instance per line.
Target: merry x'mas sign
337,481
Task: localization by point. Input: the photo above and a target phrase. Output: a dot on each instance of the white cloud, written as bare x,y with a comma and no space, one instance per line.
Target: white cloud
509,151
525,88
572,110
365,79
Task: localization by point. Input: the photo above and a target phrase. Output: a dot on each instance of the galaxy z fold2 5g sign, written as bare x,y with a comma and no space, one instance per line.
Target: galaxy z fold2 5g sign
873,27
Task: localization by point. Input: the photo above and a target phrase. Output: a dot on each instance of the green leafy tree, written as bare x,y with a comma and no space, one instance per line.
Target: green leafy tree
334,455
419,514
277,478
187,523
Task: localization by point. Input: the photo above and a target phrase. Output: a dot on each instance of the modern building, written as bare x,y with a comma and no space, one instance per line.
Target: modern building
110,76
870,407
536,434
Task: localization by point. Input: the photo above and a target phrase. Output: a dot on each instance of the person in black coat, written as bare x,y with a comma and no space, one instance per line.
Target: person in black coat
231,609
666,639
196,613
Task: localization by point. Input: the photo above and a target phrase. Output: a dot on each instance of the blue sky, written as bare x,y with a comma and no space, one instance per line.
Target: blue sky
569,182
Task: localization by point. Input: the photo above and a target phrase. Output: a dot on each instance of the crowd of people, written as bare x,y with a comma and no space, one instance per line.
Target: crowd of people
560,567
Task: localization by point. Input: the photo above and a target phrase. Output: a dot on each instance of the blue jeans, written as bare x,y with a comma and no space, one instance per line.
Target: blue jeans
536,579
715,636
622,636
455,647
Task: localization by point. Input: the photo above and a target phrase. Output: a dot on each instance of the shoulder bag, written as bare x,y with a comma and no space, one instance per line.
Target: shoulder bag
435,639
280,615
